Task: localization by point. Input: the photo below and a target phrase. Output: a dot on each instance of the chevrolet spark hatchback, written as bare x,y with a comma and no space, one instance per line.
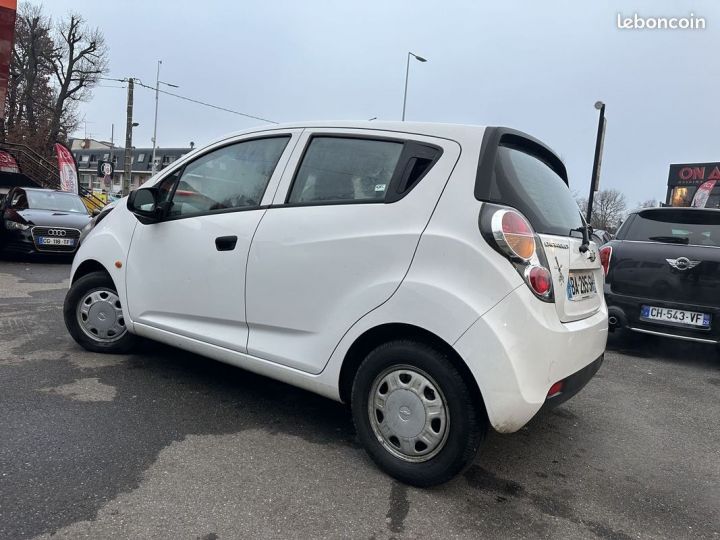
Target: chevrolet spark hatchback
437,278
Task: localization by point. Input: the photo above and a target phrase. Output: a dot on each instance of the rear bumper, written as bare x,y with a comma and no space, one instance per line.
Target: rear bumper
574,383
625,310
519,349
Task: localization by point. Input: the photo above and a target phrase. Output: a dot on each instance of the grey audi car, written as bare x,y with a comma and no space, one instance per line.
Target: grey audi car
43,221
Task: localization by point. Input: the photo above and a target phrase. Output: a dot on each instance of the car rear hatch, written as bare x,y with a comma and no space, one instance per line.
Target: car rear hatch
577,276
669,255
520,172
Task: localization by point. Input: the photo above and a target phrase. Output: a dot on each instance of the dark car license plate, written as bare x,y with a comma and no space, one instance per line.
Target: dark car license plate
49,241
675,316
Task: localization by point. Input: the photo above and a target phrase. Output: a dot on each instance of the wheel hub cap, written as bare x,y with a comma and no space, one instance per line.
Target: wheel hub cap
404,413
100,316
408,413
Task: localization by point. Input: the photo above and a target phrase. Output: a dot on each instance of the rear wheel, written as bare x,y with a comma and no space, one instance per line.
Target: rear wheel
414,413
94,317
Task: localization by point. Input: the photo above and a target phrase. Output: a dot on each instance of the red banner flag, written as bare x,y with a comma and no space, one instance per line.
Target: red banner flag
7,33
8,163
68,169
702,194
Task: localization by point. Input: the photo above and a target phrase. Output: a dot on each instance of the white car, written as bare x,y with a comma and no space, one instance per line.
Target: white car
438,278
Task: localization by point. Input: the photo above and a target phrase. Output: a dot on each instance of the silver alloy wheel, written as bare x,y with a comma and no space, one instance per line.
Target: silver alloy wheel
100,315
408,413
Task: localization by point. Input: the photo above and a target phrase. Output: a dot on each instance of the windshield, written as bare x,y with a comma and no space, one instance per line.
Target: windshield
54,200
694,227
523,181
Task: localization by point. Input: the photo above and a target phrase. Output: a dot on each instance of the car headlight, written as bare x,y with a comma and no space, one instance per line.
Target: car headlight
15,226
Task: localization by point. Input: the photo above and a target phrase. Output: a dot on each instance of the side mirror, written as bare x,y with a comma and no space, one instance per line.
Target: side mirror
144,204
95,212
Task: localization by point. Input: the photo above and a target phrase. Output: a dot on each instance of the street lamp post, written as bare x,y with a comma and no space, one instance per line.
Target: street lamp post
157,95
407,74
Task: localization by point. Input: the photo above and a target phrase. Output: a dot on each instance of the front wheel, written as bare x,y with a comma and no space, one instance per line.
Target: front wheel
93,315
414,413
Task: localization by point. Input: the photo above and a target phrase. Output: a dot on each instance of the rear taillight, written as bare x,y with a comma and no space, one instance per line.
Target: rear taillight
556,389
539,279
605,256
511,234
514,234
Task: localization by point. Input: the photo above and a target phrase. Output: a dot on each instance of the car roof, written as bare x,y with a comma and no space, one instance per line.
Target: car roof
674,209
46,190
434,129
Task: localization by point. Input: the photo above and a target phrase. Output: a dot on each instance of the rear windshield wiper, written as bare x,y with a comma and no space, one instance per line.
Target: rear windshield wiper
670,239
586,238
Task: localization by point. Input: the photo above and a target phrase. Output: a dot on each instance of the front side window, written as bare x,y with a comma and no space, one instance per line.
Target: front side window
336,169
19,201
231,177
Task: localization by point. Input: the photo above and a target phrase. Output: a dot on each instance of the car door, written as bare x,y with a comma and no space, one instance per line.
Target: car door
186,274
339,237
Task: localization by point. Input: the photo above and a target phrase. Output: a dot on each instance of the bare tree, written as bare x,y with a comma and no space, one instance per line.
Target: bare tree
30,94
609,207
53,67
649,203
79,59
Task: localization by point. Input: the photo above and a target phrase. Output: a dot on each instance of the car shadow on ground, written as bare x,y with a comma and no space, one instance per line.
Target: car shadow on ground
663,349
36,258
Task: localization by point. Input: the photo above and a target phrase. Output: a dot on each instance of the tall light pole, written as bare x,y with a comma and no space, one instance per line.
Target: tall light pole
600,139
407,73
157,94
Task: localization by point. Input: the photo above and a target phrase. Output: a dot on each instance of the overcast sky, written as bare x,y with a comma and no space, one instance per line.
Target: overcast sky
538,66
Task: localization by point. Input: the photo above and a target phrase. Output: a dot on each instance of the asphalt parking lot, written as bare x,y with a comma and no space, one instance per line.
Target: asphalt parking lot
166,444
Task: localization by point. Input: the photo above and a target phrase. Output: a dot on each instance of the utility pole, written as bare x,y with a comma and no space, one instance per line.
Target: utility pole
595,180
128,139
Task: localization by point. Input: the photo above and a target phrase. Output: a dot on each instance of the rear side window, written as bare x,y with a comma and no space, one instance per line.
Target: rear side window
337,169
694,227
526,182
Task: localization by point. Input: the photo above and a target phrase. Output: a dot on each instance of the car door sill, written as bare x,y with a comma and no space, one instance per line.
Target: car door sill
295,377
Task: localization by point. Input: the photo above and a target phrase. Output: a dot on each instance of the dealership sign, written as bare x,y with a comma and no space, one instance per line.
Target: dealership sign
693,174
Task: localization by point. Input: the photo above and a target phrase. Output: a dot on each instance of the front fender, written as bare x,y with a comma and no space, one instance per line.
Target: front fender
108,243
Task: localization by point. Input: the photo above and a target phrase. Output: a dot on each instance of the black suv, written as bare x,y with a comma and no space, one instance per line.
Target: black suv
663,274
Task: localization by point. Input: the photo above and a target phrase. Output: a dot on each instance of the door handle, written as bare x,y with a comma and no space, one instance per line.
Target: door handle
225,243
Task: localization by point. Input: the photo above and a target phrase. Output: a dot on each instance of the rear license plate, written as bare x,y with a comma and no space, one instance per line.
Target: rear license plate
580,286
675,316
48,241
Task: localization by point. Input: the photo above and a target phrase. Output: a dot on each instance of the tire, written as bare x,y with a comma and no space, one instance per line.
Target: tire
460,429
98,293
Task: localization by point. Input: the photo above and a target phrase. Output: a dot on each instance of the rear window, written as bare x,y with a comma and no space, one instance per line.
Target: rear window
527,183
693,227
